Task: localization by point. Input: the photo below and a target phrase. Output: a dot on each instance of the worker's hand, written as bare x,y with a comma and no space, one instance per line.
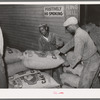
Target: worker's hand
54,57
60,44
41,53
56,52
65,64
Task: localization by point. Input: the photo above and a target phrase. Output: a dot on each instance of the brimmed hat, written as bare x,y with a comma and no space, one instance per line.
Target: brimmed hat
70,21
42,25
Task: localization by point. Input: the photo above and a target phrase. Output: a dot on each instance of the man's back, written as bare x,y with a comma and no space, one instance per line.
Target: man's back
82,38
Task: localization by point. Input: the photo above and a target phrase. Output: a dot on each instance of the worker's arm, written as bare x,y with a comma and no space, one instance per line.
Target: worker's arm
59,41
67,46
78,52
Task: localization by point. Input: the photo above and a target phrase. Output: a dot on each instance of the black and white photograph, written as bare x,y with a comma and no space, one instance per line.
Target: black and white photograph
50,46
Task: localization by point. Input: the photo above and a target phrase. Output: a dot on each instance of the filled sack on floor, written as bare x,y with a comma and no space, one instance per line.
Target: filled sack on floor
32,79
70,79
12,55
15,68
38,60
79,67
66,86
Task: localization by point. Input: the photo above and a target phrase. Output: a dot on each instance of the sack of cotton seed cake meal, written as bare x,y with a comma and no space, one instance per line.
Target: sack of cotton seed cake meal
70,79
15,68
32,79
77,70
12,55
66,86
38,60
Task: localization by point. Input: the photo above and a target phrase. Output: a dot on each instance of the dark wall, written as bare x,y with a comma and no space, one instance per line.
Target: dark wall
90,13
94,14
20,25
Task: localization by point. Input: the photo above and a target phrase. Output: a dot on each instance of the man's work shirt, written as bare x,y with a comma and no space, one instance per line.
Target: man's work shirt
84,47
48,44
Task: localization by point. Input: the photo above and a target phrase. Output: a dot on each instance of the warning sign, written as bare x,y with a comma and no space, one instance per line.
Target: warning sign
54,11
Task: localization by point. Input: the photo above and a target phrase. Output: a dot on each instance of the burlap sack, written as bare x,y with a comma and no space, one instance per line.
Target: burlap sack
32,79
71,79
66,86
77,70
36,60
12,55
15,68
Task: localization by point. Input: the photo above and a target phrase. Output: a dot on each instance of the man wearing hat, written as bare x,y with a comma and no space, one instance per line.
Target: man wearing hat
85,51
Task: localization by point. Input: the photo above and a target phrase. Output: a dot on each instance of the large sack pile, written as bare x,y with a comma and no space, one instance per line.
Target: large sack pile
32,79
37,60
94,32
18,65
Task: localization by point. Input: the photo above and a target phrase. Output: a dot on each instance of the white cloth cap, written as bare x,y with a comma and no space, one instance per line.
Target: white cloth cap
70,21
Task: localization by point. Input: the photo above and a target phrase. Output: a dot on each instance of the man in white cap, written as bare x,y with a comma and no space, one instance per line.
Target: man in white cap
84,51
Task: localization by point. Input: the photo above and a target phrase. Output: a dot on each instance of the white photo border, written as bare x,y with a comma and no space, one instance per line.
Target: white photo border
49,93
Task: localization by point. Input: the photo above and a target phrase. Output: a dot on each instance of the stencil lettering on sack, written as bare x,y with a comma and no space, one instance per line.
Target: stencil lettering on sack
42,78
30,79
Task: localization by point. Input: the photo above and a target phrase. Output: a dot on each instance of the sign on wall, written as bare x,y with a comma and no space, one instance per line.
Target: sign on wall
54,11
73,10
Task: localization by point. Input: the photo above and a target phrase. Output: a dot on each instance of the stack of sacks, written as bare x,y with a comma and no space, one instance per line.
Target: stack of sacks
13,62
32,79
94,32
88,27
39,60
70,78
18,70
